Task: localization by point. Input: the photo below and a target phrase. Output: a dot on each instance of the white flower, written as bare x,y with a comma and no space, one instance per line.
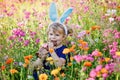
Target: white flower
111,19
113,11
29,77
20,63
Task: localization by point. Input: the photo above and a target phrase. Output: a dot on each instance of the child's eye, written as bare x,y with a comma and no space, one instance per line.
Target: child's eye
51,34
57,34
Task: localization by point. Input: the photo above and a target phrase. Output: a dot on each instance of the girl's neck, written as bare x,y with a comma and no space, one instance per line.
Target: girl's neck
58,46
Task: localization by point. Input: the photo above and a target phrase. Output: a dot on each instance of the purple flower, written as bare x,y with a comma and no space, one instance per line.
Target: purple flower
81,34
12,37
32,34
26,42
18,32
37,40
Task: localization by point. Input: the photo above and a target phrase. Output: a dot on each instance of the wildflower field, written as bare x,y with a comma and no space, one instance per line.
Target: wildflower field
94,45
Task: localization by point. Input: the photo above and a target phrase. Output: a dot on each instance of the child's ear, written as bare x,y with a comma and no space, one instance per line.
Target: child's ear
64,37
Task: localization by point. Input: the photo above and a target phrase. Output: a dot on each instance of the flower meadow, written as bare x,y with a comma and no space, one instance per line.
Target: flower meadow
94,44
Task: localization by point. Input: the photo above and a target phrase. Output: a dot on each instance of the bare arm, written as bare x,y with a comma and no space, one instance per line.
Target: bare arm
59,62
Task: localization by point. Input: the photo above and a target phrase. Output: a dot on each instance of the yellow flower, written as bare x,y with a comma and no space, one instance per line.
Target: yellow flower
12,71
43,76
49,59
117,53
71,58
55,71
66,51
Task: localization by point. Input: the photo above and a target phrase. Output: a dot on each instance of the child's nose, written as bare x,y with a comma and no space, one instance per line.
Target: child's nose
53,36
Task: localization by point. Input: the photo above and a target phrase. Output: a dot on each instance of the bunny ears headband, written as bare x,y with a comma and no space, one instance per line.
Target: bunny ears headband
54,17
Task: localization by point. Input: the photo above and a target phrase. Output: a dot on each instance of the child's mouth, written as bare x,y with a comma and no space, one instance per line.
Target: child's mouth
54,42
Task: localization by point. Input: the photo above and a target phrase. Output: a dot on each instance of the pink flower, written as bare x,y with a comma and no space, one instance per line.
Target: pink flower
117,35
98,68
40,26
45,45
27,14
105,75
86,8
93,73
78,26
78,58
20,24
107,67
95,53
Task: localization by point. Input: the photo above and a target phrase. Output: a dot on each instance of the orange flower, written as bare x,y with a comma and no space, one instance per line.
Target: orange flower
107,59
118,7
10,60
95,27
28,57
27,61
69,64
104,70
84,44
63,74
86,49
56,78
51,50
66,51
43,76
98,74
80,41
3,67
25,65
101,61
12,71
87,64
99,54
72,49
87,32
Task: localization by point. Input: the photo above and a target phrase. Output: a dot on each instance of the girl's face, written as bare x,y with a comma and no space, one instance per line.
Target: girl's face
55,37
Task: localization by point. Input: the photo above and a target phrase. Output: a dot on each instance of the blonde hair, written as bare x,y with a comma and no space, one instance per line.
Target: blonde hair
60,28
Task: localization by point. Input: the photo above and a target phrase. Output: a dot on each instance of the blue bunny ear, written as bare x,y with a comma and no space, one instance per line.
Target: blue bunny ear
53,12
66,14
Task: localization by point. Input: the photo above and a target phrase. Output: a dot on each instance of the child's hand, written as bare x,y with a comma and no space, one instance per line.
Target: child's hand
37,63
50,45
42,53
